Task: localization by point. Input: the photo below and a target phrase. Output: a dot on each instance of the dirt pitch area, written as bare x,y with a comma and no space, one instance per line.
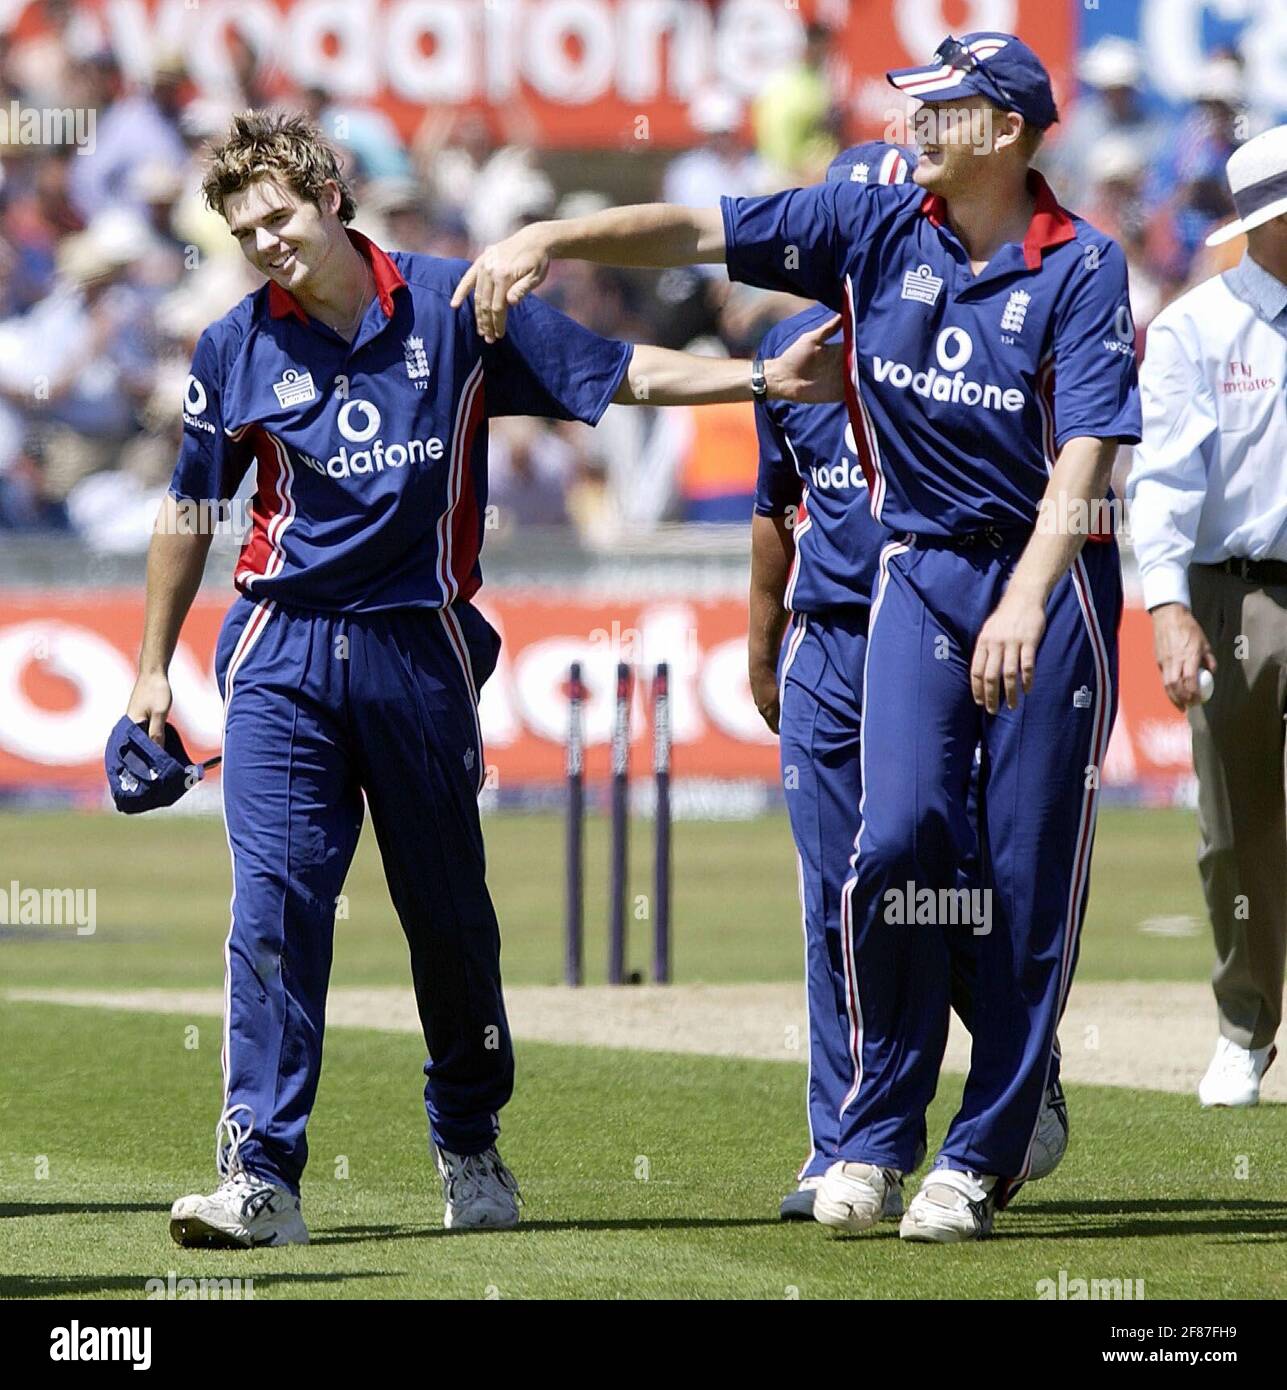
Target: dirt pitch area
1142,1036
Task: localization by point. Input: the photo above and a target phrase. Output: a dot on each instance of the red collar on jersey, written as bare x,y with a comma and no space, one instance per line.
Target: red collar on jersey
1050,224
387,279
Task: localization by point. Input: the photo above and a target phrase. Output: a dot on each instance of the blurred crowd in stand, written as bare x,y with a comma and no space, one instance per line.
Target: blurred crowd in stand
111,265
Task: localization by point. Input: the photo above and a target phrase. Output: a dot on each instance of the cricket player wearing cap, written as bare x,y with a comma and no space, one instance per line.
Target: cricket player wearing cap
990,378
351,661
814,553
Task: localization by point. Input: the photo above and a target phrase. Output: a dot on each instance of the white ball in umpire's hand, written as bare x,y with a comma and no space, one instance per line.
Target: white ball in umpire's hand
1206,685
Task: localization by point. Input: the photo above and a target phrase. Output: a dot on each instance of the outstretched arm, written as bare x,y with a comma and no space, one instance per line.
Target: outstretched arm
808,371
649,234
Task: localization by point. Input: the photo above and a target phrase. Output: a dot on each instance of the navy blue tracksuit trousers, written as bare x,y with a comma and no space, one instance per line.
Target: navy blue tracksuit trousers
322,709
1038,797
820,675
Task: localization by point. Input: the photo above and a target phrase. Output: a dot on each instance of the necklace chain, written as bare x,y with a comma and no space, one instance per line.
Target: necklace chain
363,304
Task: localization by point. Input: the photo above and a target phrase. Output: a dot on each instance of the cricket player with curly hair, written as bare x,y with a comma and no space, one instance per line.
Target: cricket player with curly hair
990,378
351,660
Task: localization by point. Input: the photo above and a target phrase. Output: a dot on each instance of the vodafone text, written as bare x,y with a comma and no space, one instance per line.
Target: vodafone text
936,385
377,458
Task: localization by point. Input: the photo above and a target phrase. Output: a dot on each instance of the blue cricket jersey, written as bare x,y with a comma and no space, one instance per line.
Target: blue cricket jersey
371,458
961,388
809,463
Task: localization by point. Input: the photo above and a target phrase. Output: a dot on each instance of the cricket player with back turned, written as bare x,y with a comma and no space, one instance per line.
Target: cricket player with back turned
990,378
351,661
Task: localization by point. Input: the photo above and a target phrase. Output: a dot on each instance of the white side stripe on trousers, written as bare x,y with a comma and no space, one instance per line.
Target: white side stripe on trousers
853,1004
250,634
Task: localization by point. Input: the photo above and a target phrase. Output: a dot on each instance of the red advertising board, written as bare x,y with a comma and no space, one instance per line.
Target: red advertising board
67,665
567,73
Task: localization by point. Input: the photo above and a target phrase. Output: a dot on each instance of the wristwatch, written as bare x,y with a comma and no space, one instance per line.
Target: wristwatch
759,387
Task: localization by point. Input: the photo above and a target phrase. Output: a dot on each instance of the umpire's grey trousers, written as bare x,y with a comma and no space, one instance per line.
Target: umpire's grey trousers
1238,754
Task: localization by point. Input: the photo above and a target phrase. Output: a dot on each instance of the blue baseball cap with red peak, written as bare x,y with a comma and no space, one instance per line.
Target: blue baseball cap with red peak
874,161
1000,67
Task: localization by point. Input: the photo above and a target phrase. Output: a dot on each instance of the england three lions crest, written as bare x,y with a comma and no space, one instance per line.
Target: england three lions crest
417,359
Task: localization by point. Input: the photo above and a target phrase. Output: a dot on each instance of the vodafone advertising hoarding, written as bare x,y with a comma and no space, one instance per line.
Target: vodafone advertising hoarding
67,665
577,74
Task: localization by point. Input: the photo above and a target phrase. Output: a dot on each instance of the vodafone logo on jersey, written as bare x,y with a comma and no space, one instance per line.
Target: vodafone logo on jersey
194,404
1123,340
359,422
846,473
362,411
947,381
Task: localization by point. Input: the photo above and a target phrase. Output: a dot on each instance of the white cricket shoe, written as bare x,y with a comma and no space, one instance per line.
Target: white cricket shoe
1233,1078
1051,1142
480,1192
855,1196
798,1205
951,1206
242,1211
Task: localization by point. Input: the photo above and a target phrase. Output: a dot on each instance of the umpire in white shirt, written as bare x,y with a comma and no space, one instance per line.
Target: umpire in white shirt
1208,496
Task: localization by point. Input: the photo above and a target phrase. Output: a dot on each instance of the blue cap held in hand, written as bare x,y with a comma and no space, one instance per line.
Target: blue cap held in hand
142,775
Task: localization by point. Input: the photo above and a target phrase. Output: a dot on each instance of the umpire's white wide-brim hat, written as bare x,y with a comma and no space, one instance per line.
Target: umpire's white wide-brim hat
1257,173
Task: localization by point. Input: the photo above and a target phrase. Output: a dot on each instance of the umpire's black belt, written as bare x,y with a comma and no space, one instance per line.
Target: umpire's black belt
1253,571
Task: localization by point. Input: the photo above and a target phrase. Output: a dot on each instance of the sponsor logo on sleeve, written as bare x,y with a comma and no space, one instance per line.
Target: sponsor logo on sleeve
1123,339
194,404
1242,379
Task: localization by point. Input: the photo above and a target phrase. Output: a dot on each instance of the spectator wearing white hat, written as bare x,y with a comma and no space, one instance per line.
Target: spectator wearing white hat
114,511
494,186
1115,204
396,213
1187,187
1111,107
1114,198
156,188
1208,495
722,164
74,368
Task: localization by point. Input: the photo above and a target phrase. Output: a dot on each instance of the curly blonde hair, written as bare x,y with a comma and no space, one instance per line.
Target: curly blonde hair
283,144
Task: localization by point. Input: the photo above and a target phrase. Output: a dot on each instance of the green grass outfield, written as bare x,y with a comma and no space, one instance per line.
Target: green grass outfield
162,885
646,1175
123,1113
